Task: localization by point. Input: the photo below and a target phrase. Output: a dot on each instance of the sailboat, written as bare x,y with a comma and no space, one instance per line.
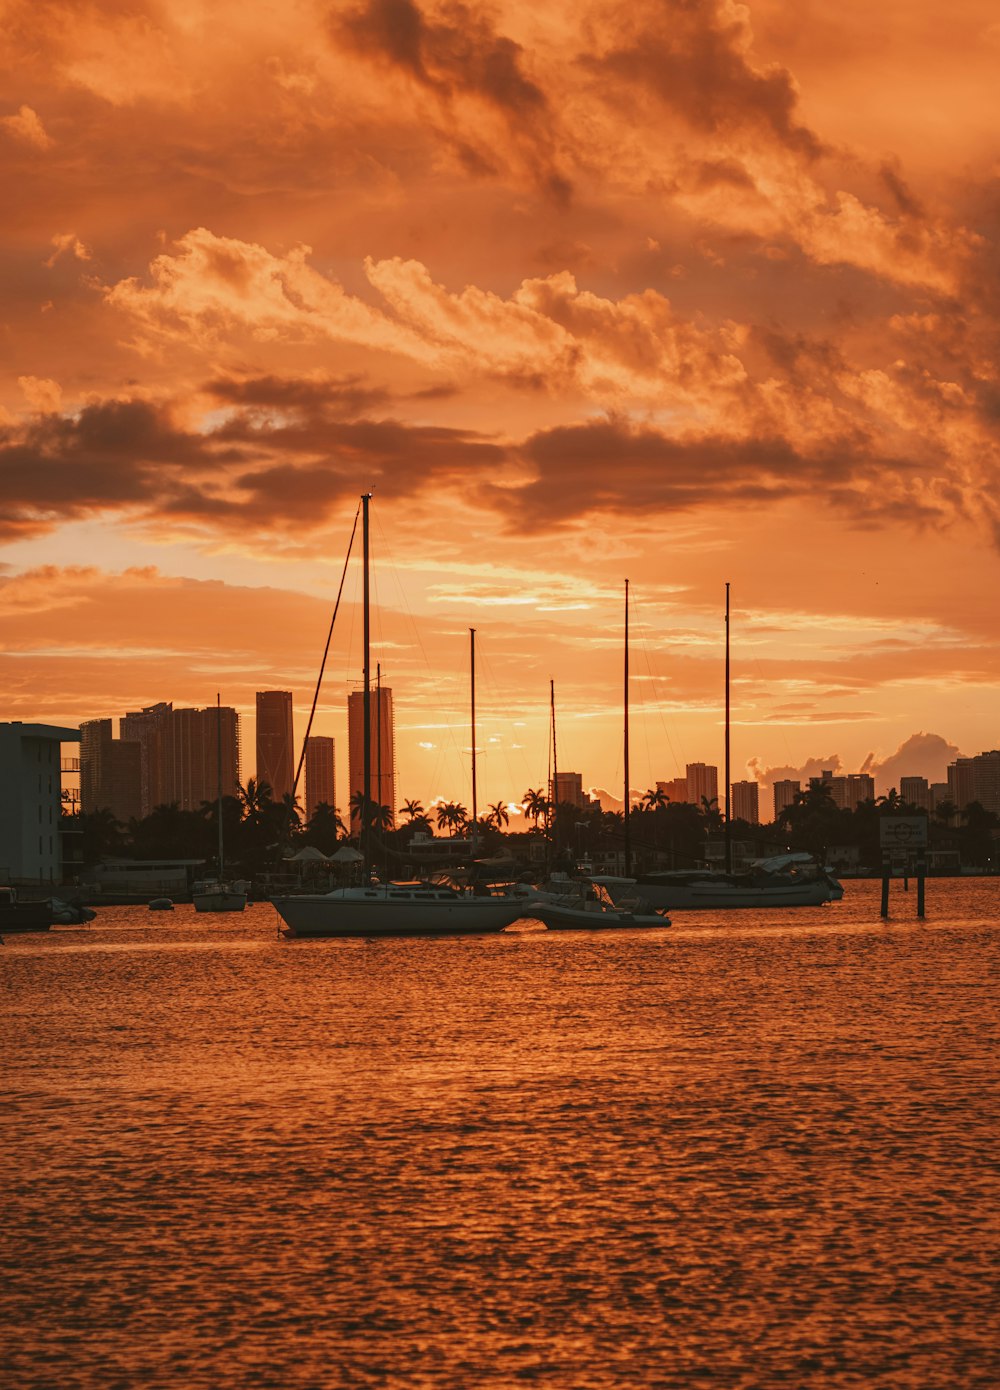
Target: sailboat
784,880
595,902
389,909
216,895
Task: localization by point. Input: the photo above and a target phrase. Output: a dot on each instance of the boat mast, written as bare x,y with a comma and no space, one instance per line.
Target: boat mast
628,847
472,679
728,839
366,728
555,771
218,761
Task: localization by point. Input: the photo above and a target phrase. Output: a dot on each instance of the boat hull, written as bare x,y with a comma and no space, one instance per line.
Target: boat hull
723,895
560,917
219,900
323,916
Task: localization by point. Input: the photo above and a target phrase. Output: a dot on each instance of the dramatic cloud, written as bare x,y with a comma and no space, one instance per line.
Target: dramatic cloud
691,292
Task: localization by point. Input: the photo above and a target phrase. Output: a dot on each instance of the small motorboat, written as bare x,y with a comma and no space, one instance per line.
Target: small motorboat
161,905
586,904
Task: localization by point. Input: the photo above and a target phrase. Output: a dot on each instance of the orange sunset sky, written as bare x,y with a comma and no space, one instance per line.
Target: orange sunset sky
684,292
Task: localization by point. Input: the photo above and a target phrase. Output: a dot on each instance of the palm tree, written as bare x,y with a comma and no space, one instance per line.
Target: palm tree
535,804
255,799
498,815
890,802
655,799
452,815
324,827
412,810
710,812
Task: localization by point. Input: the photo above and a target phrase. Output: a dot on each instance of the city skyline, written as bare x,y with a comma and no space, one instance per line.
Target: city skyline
687,295
102,767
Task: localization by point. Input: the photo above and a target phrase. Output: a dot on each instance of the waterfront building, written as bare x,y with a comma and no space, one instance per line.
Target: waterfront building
31,848
745,802
382,744
320,772
702,780
110,772
179,758
275,741
785,792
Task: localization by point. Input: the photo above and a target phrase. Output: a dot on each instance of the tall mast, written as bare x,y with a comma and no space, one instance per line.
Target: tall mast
472,680
218,761
366,727
729,845
555,770
628,847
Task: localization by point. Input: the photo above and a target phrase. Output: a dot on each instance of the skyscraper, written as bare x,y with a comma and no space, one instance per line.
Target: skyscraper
179,754
382,744
320,773
702,781
569,790
785,792
110,772
275,742
746,802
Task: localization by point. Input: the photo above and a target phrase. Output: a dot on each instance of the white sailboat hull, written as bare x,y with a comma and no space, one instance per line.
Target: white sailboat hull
792,880
383,912
716,895
219,900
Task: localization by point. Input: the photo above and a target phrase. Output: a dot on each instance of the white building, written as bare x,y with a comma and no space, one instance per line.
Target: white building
31,801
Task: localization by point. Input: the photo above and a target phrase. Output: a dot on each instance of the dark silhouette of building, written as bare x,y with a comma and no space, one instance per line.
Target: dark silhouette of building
746,802
275,741
110,772
179,759
382,744
320,772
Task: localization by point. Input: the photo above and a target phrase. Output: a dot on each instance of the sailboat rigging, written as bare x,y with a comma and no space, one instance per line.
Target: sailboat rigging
787,880
218,895
388,909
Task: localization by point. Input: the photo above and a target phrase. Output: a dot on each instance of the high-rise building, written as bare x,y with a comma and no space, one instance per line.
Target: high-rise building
675,790
179,757
569,790
745,802
848,790
31,804
146,728
785,792
976,779
382,744
110,772
320,773
915,791
702,781
275,741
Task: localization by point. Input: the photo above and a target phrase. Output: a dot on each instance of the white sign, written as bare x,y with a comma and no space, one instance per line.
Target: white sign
903,832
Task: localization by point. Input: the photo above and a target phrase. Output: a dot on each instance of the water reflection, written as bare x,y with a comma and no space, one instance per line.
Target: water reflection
745,1153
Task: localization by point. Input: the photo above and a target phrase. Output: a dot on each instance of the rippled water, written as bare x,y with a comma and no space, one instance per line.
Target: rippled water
750,1150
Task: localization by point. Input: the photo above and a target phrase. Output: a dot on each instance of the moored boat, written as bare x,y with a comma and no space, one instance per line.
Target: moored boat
218,897
593,904
784,880
395,909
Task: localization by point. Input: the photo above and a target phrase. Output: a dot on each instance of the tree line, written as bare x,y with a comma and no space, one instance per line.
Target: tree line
260,830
